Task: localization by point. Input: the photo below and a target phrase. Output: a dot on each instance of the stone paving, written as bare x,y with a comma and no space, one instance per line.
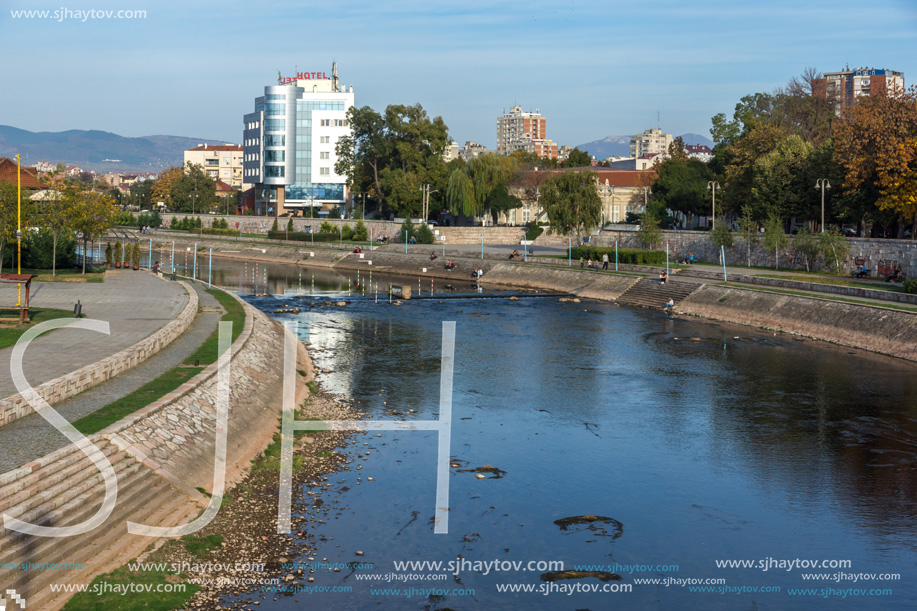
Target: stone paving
135,304
31,437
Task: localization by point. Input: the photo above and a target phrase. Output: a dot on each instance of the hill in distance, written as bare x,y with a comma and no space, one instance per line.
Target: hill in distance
97,150
619,146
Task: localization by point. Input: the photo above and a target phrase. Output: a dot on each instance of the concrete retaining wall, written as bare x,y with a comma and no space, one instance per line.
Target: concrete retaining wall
682,243
582,283
175,436
390,229
879,330
56,390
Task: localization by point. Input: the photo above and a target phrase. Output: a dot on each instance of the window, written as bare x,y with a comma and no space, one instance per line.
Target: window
326,122
274,155
273,171
324,155
326,139
275,109
212,173
340,123
324,171
272,125
275,140
212,162
275,96
225,160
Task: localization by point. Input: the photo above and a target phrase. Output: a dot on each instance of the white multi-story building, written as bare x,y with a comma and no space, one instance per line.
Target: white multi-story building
847,86
289,143
524,131
219,161
650,141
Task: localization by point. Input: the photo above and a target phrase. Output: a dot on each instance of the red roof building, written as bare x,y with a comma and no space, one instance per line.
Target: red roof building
8,173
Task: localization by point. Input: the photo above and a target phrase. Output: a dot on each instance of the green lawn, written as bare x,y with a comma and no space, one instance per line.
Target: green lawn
828,296
102,592
10,333
235,314
170,380
68,274
890,287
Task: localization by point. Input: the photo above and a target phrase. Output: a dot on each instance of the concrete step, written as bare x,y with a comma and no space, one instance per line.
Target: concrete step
91,549
176,510
650,293
38,477
45,499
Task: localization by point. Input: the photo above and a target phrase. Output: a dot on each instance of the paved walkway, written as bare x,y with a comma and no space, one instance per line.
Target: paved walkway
32,437
135,304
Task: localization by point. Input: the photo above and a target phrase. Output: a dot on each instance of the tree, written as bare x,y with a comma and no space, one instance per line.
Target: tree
650,233
58,211
8,220
161,189
470,189
95,217
748,231
806,245
571,202
681,186
360,233
721,235
833,247
193,191
877,145
577,159
781,181
774,237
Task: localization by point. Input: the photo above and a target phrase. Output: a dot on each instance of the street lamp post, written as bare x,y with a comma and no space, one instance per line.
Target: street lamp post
822,183
18,228
712,186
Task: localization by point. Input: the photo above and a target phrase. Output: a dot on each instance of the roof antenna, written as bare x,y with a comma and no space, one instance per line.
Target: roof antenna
658,126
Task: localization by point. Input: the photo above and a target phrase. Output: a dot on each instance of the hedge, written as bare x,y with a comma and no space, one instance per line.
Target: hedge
627,256
910,286
219,231
302,236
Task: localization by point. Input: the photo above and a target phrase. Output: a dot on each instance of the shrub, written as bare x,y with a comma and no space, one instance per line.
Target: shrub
407,230
219,231
327,227
302,236
290,224
360,232
424,234
910,286
534,230
346,232
149,219
109,254
626,256
38,249
334,213
274,226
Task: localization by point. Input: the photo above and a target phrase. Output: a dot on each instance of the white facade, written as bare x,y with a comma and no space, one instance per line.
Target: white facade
650,141
219,162
289,143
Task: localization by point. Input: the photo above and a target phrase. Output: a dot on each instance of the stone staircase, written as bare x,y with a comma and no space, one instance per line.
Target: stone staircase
66,488
650,293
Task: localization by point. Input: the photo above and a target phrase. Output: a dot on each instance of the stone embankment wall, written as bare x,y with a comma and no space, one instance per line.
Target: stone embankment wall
869,328
390,229
175,436
69,385
683,243
586,284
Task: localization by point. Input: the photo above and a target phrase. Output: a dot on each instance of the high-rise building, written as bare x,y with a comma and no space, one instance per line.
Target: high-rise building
846,86
289,143
652,141
524,131
219,161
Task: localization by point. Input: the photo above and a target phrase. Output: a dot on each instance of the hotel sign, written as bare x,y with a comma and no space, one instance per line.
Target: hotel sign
303,76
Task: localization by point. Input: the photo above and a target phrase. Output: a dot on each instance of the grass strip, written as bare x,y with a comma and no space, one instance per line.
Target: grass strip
235,313
140,398
66,275
126,590
826,296
10,333
890,288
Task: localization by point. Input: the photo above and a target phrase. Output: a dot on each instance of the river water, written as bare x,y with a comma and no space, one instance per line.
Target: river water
700,443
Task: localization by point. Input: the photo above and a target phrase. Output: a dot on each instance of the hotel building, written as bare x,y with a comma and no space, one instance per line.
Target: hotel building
289,143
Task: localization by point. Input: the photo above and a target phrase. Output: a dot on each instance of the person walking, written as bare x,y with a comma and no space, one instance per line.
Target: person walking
605,261
582,262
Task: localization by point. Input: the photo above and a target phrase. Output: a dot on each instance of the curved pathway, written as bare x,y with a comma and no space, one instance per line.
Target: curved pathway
32,437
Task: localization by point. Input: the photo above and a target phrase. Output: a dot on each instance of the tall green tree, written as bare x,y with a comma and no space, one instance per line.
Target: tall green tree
681,186
577,159
475,188
774,237
8,215
572,203
748,231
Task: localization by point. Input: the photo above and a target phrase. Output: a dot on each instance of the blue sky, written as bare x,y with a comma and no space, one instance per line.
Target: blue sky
593,69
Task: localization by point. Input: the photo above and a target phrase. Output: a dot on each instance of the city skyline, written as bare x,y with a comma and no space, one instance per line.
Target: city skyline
592,71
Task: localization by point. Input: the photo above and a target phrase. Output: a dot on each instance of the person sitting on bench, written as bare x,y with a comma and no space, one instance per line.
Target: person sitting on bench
897,275
862,272
450,265
514,254
663,278
433,256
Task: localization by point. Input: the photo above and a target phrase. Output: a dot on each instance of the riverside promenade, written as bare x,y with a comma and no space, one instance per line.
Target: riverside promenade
135,304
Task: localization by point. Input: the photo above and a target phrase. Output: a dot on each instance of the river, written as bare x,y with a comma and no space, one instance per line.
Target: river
694,443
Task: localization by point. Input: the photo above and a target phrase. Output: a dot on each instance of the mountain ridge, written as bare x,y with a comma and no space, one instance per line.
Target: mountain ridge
619,146
97,149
